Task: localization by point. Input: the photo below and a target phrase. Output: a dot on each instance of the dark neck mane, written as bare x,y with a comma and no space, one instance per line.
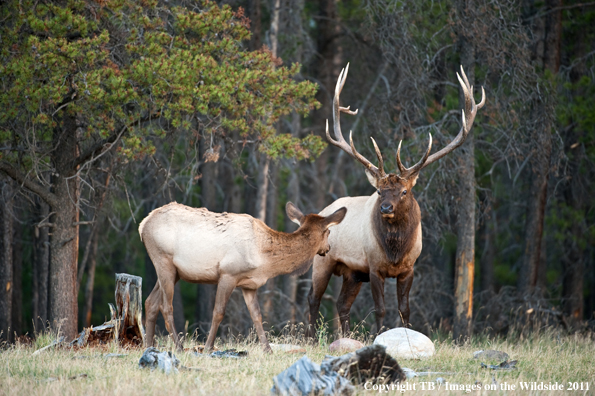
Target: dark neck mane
397,235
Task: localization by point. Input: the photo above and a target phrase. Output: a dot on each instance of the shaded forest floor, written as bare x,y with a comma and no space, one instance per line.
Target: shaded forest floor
547,358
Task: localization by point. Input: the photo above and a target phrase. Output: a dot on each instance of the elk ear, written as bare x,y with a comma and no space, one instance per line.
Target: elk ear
371,179
413,179
336,217
294,213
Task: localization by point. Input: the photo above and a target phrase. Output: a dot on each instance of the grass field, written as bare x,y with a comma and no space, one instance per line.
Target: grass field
548,358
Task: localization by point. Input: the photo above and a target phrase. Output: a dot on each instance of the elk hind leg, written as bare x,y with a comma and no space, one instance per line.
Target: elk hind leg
167,281
349,291
251,299
152,306
224,289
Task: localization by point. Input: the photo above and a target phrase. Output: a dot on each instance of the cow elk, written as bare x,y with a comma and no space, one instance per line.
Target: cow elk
230,250
381,235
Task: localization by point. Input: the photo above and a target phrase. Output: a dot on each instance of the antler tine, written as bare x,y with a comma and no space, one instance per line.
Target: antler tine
402,169
371,167
407,172
468,117
379,155
483,99
339,140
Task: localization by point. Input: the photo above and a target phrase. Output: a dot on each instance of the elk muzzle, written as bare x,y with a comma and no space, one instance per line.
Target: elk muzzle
387,210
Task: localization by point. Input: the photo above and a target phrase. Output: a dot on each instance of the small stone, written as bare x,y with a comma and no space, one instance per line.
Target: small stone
402,343
287,348
408,372
345,345
490,354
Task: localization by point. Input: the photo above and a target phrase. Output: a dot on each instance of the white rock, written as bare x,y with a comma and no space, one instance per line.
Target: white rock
345,345
402,343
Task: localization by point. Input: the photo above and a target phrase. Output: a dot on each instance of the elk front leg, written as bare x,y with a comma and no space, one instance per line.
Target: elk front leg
377,284
224,289
349,292
404,282
322,270
251,299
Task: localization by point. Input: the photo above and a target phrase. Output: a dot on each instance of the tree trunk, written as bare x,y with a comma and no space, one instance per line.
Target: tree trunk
17,278
91,251
91,277
41,265
63,308
262,184
528,274
228,177
573,280
6,267
465,254
573,260
255,25
487,255
549,32
325,72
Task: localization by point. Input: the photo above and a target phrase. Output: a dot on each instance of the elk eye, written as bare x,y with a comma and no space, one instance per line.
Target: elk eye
378,191
404,192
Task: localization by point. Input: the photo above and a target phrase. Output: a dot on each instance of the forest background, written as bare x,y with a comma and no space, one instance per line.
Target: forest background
114,108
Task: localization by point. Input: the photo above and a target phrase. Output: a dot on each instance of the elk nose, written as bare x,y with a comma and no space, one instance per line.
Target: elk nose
386,208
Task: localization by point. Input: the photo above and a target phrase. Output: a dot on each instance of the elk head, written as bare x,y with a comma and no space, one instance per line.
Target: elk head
316,225
395,190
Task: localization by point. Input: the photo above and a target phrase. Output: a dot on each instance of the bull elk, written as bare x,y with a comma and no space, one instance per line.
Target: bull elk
230,250
381,235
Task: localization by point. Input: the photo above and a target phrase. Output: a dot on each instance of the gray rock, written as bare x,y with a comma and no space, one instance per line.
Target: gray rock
165,361
402,343
490,354
409,373
305,377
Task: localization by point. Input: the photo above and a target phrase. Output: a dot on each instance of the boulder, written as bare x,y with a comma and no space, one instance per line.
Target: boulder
345,345
402,343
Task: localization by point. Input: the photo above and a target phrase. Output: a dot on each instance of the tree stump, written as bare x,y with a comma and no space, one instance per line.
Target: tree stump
129,310
125,325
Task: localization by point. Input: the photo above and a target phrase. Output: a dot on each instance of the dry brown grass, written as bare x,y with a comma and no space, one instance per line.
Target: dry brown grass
548,357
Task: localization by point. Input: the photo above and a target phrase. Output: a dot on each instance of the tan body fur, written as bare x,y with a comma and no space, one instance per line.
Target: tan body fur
231,250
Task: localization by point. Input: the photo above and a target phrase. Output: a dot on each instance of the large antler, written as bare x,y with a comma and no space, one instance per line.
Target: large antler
470,111
340,142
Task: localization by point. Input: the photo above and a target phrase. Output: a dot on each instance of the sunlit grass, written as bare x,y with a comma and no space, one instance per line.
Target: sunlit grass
547,357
